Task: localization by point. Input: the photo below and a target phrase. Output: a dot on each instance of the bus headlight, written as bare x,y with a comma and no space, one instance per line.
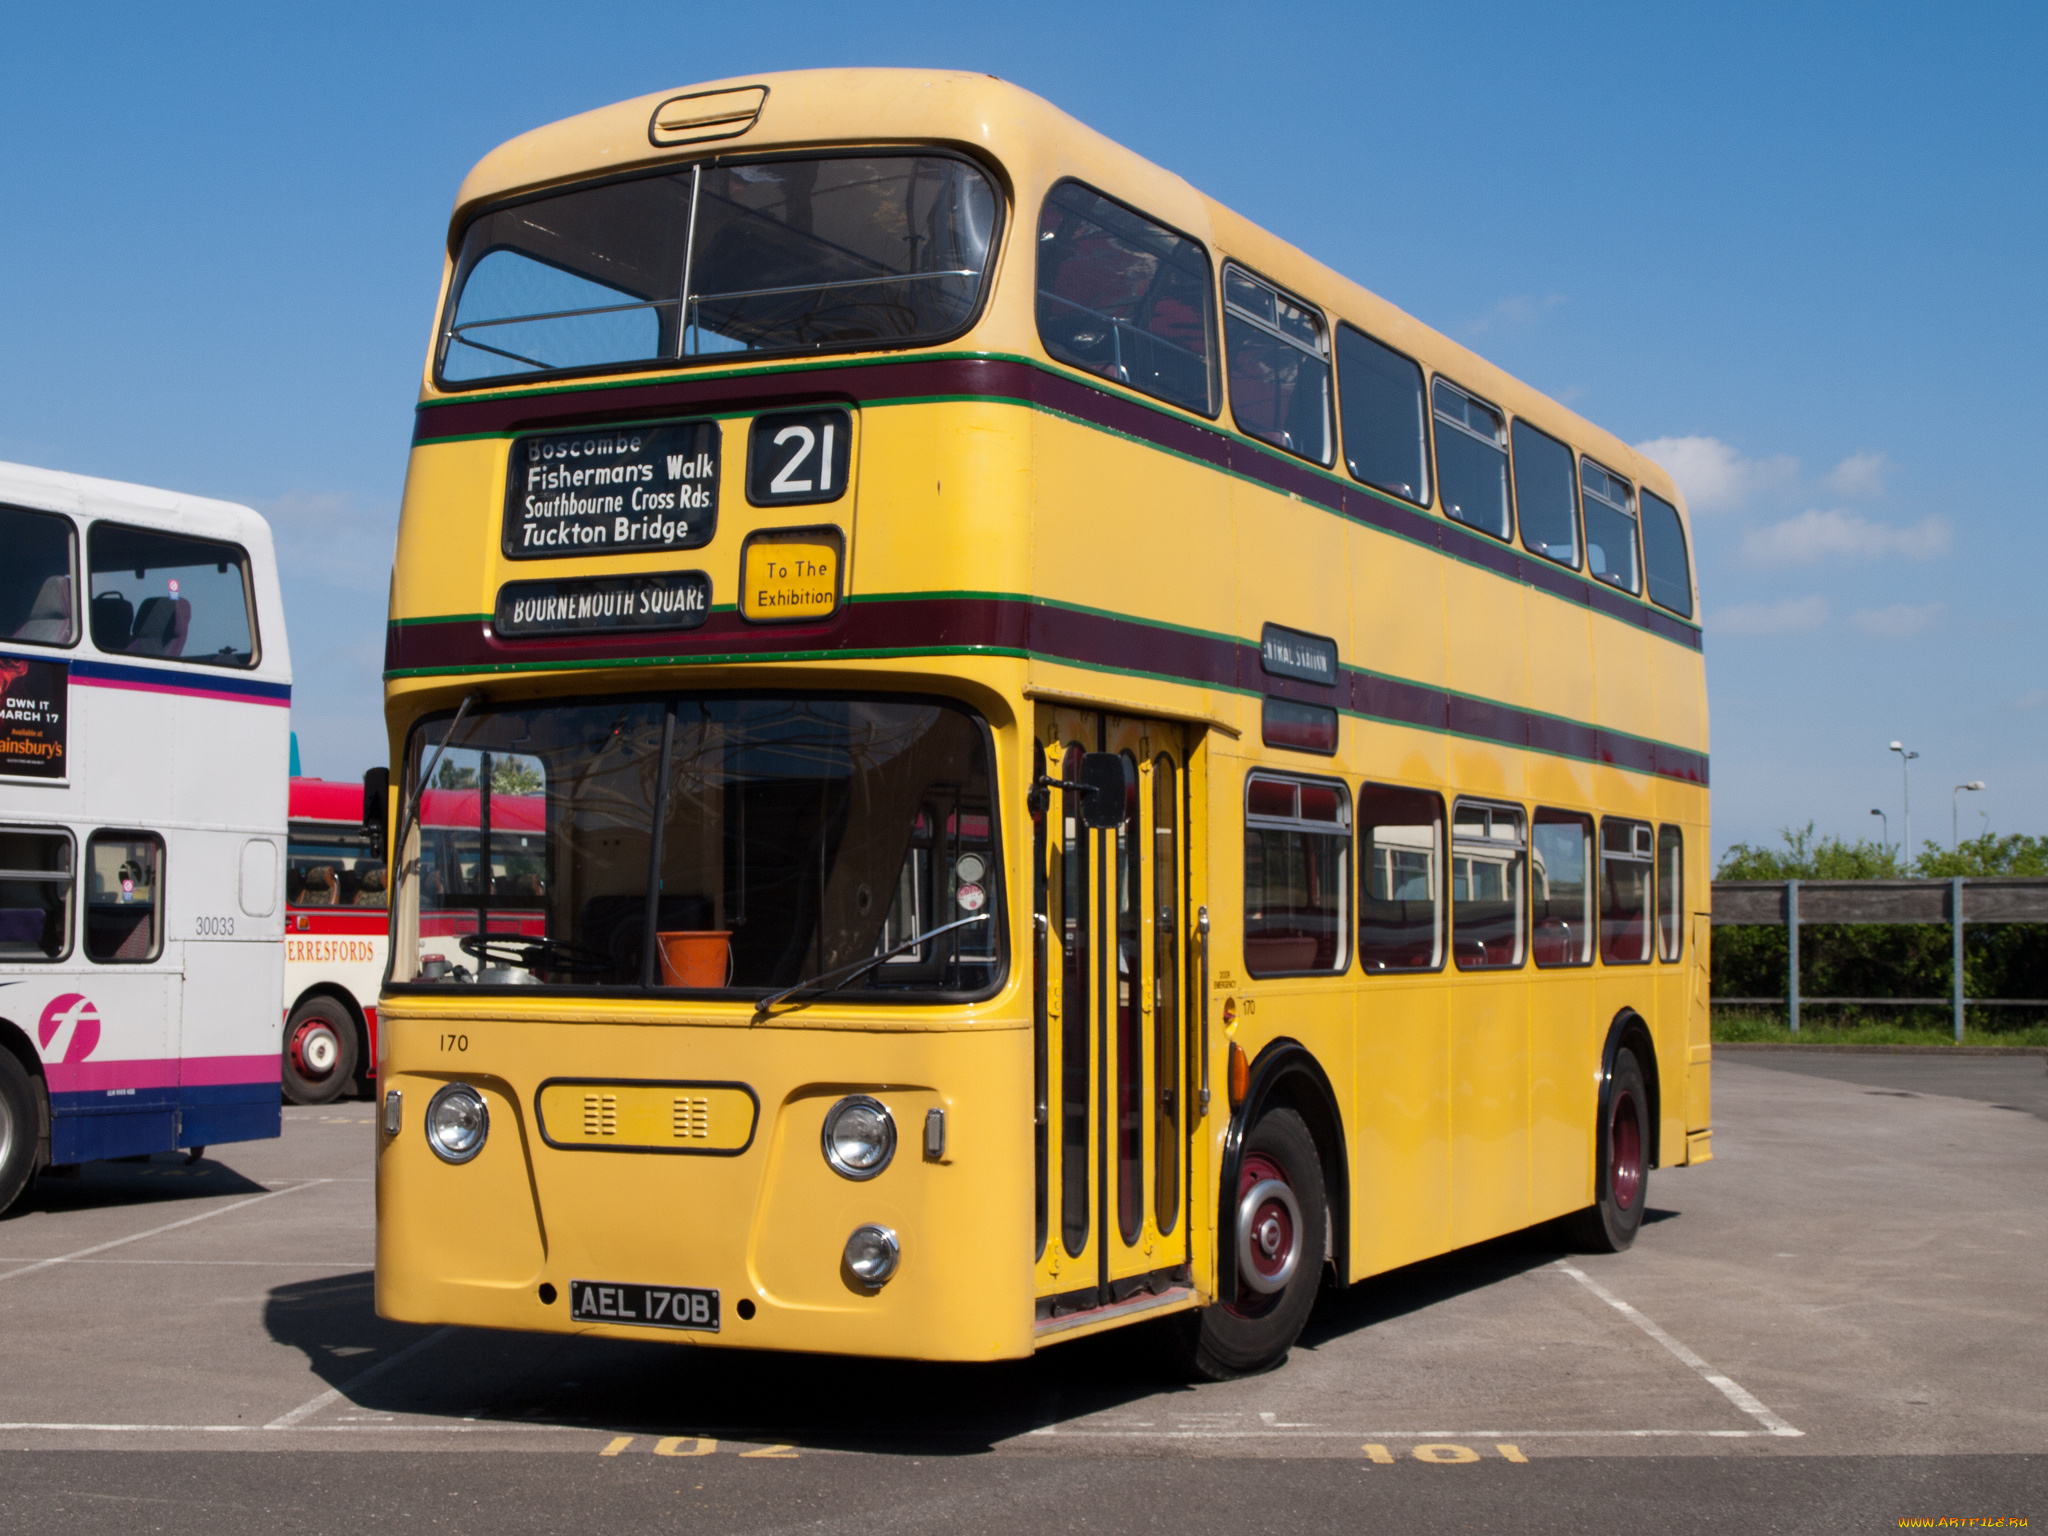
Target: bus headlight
457,1123
872,1255
860,1137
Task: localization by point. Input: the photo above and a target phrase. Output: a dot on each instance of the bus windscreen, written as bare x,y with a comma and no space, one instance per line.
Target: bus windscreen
799,255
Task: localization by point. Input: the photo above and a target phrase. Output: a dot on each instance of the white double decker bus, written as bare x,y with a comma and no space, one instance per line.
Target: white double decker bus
145,691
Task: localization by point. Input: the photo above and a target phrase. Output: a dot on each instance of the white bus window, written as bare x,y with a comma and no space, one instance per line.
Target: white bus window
329,864
1471,461
37,578
123,897
35,894
1664,557
1125,298
1400,905
1297,849
1488,859
1546,501
1386,425
162,594
1670,893
1610,504
1625,871
1561,888
1279,366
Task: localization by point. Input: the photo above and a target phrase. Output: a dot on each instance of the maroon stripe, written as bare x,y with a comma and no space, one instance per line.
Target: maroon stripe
1013,624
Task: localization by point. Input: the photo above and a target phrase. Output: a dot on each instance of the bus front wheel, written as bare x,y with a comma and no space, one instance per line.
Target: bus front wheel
1610,1224
1278,1228
319,1051
18,1129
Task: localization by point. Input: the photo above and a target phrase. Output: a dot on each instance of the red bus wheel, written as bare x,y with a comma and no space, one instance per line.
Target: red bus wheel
1610,1224
319,1052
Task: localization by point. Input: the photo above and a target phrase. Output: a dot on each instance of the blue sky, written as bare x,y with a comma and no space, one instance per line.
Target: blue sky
1799,249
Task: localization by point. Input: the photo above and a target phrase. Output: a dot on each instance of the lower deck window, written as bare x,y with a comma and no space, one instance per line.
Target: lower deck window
35,894
1297,849
1400,905
1625,871
123,897
1489,857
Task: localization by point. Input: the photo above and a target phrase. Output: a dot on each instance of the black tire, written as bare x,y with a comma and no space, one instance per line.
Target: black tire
20,1128
1622,1145
1254,1331
319,1052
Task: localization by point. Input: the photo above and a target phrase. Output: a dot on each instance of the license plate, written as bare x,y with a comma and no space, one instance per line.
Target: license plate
644,1306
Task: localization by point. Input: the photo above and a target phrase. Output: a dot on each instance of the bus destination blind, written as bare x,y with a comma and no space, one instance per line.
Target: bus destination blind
615,490
596,605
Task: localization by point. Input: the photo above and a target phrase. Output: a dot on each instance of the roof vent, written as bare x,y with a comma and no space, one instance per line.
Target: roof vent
706,115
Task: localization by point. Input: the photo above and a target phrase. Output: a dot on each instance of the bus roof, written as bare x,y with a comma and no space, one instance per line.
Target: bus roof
326,800
1034,143
84,496
457,808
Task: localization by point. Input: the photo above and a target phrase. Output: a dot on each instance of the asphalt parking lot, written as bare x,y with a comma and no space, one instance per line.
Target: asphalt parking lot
1837,1324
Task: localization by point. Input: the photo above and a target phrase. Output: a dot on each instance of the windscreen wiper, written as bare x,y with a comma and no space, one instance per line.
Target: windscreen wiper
832,981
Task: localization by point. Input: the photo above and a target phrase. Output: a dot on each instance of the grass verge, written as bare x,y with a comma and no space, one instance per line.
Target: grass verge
1834,1026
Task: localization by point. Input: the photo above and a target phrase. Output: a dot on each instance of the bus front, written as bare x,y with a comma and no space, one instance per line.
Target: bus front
704,1011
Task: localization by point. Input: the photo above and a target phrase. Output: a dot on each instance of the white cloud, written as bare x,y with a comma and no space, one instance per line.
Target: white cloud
1860,474
1813,536
1515,313
1897,621
1713,475
1793,616
2033,699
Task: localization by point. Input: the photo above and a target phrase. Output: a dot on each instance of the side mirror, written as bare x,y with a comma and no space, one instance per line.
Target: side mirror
376,803
1111,783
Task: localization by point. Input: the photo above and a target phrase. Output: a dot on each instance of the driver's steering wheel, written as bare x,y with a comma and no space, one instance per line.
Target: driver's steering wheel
528,954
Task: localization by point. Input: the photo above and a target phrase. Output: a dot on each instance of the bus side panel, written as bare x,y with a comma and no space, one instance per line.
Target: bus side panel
1401,1128
108,1039
228,1086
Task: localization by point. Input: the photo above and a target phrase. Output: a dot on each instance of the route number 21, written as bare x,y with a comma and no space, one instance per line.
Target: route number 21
798,457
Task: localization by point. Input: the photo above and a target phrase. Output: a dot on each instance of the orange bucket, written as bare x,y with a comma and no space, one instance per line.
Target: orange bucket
696,957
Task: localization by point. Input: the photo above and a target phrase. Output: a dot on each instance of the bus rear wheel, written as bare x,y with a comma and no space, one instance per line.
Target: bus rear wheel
1610,1224
319,1051
1278,1228
18,1129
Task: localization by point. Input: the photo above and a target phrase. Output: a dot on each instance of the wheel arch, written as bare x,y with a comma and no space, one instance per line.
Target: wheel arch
15,1041
1628,1029
1287,1075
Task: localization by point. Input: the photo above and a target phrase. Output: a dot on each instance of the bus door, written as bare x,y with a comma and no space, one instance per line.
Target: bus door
1111,997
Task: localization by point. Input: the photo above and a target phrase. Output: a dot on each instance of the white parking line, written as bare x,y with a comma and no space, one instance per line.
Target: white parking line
1394,1434
1737,1394
170,1226
307,1409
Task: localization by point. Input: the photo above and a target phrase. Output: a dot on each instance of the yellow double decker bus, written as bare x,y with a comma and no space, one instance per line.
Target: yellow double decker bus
1056,762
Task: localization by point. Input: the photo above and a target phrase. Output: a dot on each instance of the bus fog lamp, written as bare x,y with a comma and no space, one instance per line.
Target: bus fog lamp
457,1123
872,1254
860,1137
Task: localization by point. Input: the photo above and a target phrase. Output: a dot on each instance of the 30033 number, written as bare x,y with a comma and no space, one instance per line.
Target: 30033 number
215,928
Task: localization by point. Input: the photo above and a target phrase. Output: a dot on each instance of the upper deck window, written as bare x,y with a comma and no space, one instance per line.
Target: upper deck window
1610,526
1126,298
1279,366
1664,557
1386,425
1471,460
801,255
163,594
36,582
1544,495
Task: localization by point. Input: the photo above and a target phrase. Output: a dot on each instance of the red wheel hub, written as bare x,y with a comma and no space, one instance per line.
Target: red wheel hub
314,1049
1625,1152
1268,1235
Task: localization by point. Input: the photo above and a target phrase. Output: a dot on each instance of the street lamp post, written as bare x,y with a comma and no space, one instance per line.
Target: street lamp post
1884,821
1906,778
1954,842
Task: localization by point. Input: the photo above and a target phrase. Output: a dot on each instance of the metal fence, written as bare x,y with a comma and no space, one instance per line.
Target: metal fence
1792,903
